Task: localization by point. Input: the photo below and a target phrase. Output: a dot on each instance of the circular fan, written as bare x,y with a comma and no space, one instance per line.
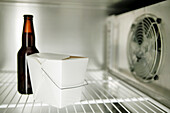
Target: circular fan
145,48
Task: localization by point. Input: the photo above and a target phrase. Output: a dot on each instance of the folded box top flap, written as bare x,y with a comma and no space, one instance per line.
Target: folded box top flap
50,56
73,57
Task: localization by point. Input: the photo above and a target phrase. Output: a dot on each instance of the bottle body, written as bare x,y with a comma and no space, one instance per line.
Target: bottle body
28,47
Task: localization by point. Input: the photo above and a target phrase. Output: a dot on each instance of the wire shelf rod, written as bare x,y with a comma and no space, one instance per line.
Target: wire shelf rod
156,107
107,98
125,95
5,86
66,109
10,102
41,108
94,100
88,103
32,106
148,98
108,92
12,88
140,101
17,102
105,95
3,78
74,108
58,110
25,104
82,107
101,99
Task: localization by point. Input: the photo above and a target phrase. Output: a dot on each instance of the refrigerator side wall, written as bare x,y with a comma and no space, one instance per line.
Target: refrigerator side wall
58,29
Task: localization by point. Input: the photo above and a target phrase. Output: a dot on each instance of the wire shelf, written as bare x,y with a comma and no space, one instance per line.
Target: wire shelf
103,94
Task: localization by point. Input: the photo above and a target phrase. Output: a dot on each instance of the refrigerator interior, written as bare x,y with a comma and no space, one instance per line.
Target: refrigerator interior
77,28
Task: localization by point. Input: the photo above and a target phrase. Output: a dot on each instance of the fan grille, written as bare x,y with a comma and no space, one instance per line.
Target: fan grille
145,48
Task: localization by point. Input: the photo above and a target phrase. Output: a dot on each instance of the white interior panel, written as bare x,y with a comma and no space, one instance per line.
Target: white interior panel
74,31
124,21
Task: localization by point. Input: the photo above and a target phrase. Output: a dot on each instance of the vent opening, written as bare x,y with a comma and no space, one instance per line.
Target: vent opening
145,48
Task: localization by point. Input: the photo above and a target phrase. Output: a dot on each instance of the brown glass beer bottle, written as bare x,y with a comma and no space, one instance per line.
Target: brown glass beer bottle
28,47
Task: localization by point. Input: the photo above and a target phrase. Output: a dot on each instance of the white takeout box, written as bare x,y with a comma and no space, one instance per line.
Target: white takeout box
57,79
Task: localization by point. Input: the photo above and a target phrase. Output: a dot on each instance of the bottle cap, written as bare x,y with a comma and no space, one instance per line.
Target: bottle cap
28,16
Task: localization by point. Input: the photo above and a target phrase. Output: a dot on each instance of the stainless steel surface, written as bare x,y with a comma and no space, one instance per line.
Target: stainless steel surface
103,94
111,6
158,89
64,30
76,27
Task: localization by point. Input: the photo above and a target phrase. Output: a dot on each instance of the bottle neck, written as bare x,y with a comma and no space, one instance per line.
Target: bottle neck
28,37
